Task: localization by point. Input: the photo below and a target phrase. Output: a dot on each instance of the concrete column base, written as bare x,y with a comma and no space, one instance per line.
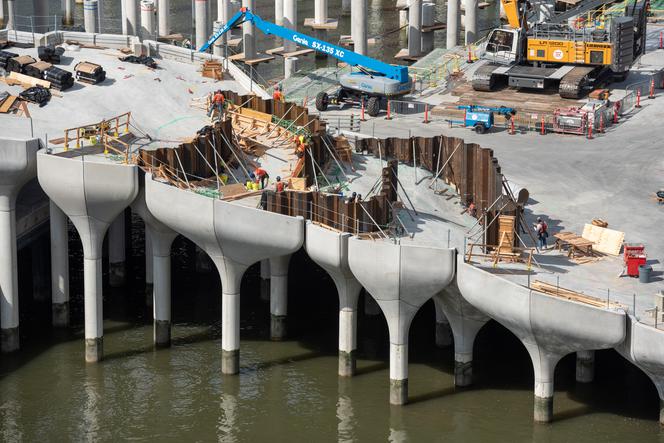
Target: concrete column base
277,327
443,335
585,366
463,373
149,294
398,392
162,333
661,412
94,349
347,363
9,340
60,314
265,289
543,409
230,362
116,274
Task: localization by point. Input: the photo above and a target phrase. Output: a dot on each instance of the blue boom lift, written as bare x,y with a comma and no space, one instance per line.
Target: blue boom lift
373,84
481,117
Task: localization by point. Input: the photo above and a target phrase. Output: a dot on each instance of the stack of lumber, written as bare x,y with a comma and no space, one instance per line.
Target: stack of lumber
212,69
8,103
26,81
506,225
548,289
606,241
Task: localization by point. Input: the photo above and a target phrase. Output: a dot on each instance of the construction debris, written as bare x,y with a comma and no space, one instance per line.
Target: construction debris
59,78
142,60
36,94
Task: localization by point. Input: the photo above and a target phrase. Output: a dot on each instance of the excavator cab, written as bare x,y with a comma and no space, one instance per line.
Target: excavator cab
502,46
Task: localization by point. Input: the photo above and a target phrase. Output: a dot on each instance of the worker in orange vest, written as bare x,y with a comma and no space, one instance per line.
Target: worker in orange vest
277,96
218,103
279,185
261,176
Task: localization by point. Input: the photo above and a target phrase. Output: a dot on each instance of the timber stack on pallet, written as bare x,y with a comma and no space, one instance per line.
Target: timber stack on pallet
549,289
212,69
89,72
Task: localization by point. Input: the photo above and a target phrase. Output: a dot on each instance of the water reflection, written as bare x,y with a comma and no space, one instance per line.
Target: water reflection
91,405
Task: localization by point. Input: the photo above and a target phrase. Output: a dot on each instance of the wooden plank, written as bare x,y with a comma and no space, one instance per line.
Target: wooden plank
27,80
7,104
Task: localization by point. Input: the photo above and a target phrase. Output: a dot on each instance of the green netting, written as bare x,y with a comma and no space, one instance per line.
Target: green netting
208,192
292,127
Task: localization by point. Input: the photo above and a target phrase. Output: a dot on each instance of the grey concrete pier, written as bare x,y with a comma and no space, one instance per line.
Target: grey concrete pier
253,236
202,34
17,167
164,16
465,322
443,332
329,249
92,191
265,280
549,327
161,239
358,20
59,266
401,277
453,21
278,296
90,16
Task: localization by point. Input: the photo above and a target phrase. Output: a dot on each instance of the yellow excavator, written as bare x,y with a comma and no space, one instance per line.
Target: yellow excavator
555,54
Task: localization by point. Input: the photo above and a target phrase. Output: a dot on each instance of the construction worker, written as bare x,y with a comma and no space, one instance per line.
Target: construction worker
277,96
279,186
542,231
261,176
218,103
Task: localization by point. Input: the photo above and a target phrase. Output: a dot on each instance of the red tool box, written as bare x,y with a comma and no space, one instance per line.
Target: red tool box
635,256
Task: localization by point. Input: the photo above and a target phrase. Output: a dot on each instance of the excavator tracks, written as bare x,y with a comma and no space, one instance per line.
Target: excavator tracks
573,84
483,78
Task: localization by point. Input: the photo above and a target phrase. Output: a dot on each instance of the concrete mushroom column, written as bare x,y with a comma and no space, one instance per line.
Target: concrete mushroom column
401,278
17,167
278,296
329,249
549,327
465,321
265,280
11,14
59,266
92,192
161,239
234,236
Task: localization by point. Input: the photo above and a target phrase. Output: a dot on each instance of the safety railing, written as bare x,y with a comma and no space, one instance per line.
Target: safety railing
106,133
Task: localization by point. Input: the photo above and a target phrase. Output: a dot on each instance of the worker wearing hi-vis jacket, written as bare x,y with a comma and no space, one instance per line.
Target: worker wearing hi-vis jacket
261,176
